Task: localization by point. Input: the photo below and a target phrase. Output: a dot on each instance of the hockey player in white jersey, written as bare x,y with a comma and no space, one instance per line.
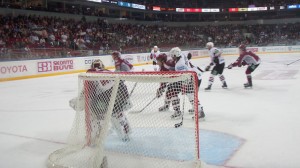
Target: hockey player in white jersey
190,91
218,62
172,88
182,64
154,53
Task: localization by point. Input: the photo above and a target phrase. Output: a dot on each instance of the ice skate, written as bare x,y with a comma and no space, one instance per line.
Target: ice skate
248,85
201,114
176,115
208,87
125,138
163,108
104,163
224,86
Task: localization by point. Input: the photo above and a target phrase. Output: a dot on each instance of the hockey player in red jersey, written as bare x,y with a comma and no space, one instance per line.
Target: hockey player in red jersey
121,64
173,89
246,58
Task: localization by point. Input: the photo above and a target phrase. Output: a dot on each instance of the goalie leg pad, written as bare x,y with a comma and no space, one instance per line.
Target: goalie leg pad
121,125
77,104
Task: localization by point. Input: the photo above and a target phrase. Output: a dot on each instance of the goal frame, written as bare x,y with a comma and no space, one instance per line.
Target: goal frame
162,76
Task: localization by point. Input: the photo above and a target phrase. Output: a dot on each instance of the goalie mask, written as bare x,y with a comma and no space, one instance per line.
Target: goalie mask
97,64
175,52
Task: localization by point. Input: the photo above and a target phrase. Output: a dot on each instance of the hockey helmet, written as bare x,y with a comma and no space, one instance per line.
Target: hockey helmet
116,54
162,57
175,52
209,45
242,47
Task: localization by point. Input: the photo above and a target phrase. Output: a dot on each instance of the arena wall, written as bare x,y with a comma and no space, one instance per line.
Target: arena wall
16,70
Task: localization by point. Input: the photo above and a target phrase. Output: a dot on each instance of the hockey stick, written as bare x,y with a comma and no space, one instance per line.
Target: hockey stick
134,86
144,107
212,69
132,89
292,62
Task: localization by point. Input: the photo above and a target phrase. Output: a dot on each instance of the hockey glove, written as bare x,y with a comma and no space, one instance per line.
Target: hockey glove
207,68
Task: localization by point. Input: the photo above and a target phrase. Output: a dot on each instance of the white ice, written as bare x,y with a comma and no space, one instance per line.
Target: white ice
35,116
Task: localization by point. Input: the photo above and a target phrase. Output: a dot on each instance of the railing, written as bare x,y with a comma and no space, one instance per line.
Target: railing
7,54
44,53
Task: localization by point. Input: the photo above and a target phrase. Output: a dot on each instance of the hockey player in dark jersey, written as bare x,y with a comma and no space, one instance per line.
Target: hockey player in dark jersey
246,58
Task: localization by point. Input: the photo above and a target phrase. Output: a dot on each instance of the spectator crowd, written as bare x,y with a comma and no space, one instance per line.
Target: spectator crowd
25,33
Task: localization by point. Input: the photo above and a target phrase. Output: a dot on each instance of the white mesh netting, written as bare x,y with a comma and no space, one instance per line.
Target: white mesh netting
129,120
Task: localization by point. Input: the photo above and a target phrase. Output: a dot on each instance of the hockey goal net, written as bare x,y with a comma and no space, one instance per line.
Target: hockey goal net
119,122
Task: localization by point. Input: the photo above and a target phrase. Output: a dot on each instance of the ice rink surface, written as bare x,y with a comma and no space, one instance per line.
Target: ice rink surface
35,117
